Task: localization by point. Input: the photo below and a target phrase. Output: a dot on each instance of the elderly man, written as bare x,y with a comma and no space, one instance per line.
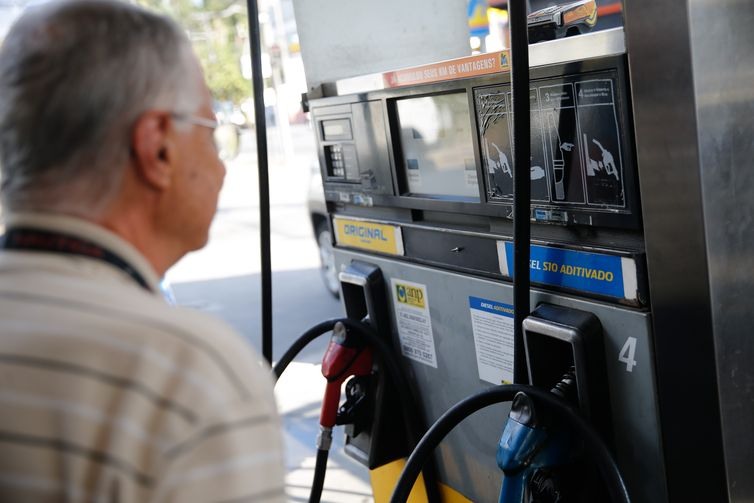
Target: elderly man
109,176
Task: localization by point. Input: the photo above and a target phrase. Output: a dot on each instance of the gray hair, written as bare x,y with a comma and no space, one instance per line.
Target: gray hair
74,77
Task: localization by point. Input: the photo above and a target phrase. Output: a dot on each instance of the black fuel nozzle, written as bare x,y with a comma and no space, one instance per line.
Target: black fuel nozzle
356,404
566,387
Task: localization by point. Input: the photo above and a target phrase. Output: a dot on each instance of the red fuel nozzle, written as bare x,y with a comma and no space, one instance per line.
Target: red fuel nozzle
346,356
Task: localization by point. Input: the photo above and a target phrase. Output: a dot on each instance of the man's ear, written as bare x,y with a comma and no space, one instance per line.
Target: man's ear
150,149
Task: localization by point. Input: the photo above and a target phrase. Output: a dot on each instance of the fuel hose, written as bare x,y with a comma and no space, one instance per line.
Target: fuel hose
304,340
505,393
318,483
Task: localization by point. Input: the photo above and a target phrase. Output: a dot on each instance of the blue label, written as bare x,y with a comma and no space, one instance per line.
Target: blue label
587,272
491,306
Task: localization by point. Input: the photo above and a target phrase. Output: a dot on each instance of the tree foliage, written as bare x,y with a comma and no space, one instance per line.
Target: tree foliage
218,31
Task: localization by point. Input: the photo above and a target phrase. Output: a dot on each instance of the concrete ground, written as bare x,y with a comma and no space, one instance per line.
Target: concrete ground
223,279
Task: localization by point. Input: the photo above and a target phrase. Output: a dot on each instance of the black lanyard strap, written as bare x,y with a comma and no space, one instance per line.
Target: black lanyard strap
29,239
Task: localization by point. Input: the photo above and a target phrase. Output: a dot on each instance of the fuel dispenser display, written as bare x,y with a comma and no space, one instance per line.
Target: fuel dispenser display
435,135
621,199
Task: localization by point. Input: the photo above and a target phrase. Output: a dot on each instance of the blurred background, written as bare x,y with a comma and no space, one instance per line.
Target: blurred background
223,279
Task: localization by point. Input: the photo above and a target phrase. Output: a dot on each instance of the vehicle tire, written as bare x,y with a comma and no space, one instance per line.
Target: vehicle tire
327,260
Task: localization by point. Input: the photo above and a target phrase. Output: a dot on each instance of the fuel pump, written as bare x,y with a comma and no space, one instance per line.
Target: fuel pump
538,449
418,182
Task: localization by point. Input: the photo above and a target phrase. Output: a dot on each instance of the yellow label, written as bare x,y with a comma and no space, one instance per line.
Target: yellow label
385,477
372,236
409,295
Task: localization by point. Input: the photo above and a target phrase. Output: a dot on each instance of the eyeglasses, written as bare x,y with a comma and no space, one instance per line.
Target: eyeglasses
203,122
196,120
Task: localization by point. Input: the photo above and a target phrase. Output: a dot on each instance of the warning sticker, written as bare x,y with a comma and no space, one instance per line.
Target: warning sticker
496,123
413,321
601,143
492,324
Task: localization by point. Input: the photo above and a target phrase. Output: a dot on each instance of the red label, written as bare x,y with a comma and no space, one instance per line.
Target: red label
482,64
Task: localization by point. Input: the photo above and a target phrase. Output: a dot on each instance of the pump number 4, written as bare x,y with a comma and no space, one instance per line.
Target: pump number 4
627,353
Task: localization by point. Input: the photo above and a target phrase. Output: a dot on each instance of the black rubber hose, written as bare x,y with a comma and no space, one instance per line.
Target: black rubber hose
394,372
318,483
505,393
301,343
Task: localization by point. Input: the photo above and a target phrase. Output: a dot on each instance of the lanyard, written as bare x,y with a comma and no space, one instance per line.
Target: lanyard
28,239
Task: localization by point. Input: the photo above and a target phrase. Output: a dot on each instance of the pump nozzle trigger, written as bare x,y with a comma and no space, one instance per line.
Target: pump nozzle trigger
356,394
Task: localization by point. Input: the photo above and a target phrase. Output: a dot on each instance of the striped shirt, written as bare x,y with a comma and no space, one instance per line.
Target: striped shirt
109,394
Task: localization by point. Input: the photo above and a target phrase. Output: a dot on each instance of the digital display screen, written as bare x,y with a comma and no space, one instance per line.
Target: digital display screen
333,129
336,129
437,146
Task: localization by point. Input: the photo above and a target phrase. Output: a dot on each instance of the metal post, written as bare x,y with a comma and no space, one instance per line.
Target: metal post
521,180
264,180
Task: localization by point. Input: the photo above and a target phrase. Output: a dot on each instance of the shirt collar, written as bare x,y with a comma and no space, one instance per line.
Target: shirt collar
92,232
